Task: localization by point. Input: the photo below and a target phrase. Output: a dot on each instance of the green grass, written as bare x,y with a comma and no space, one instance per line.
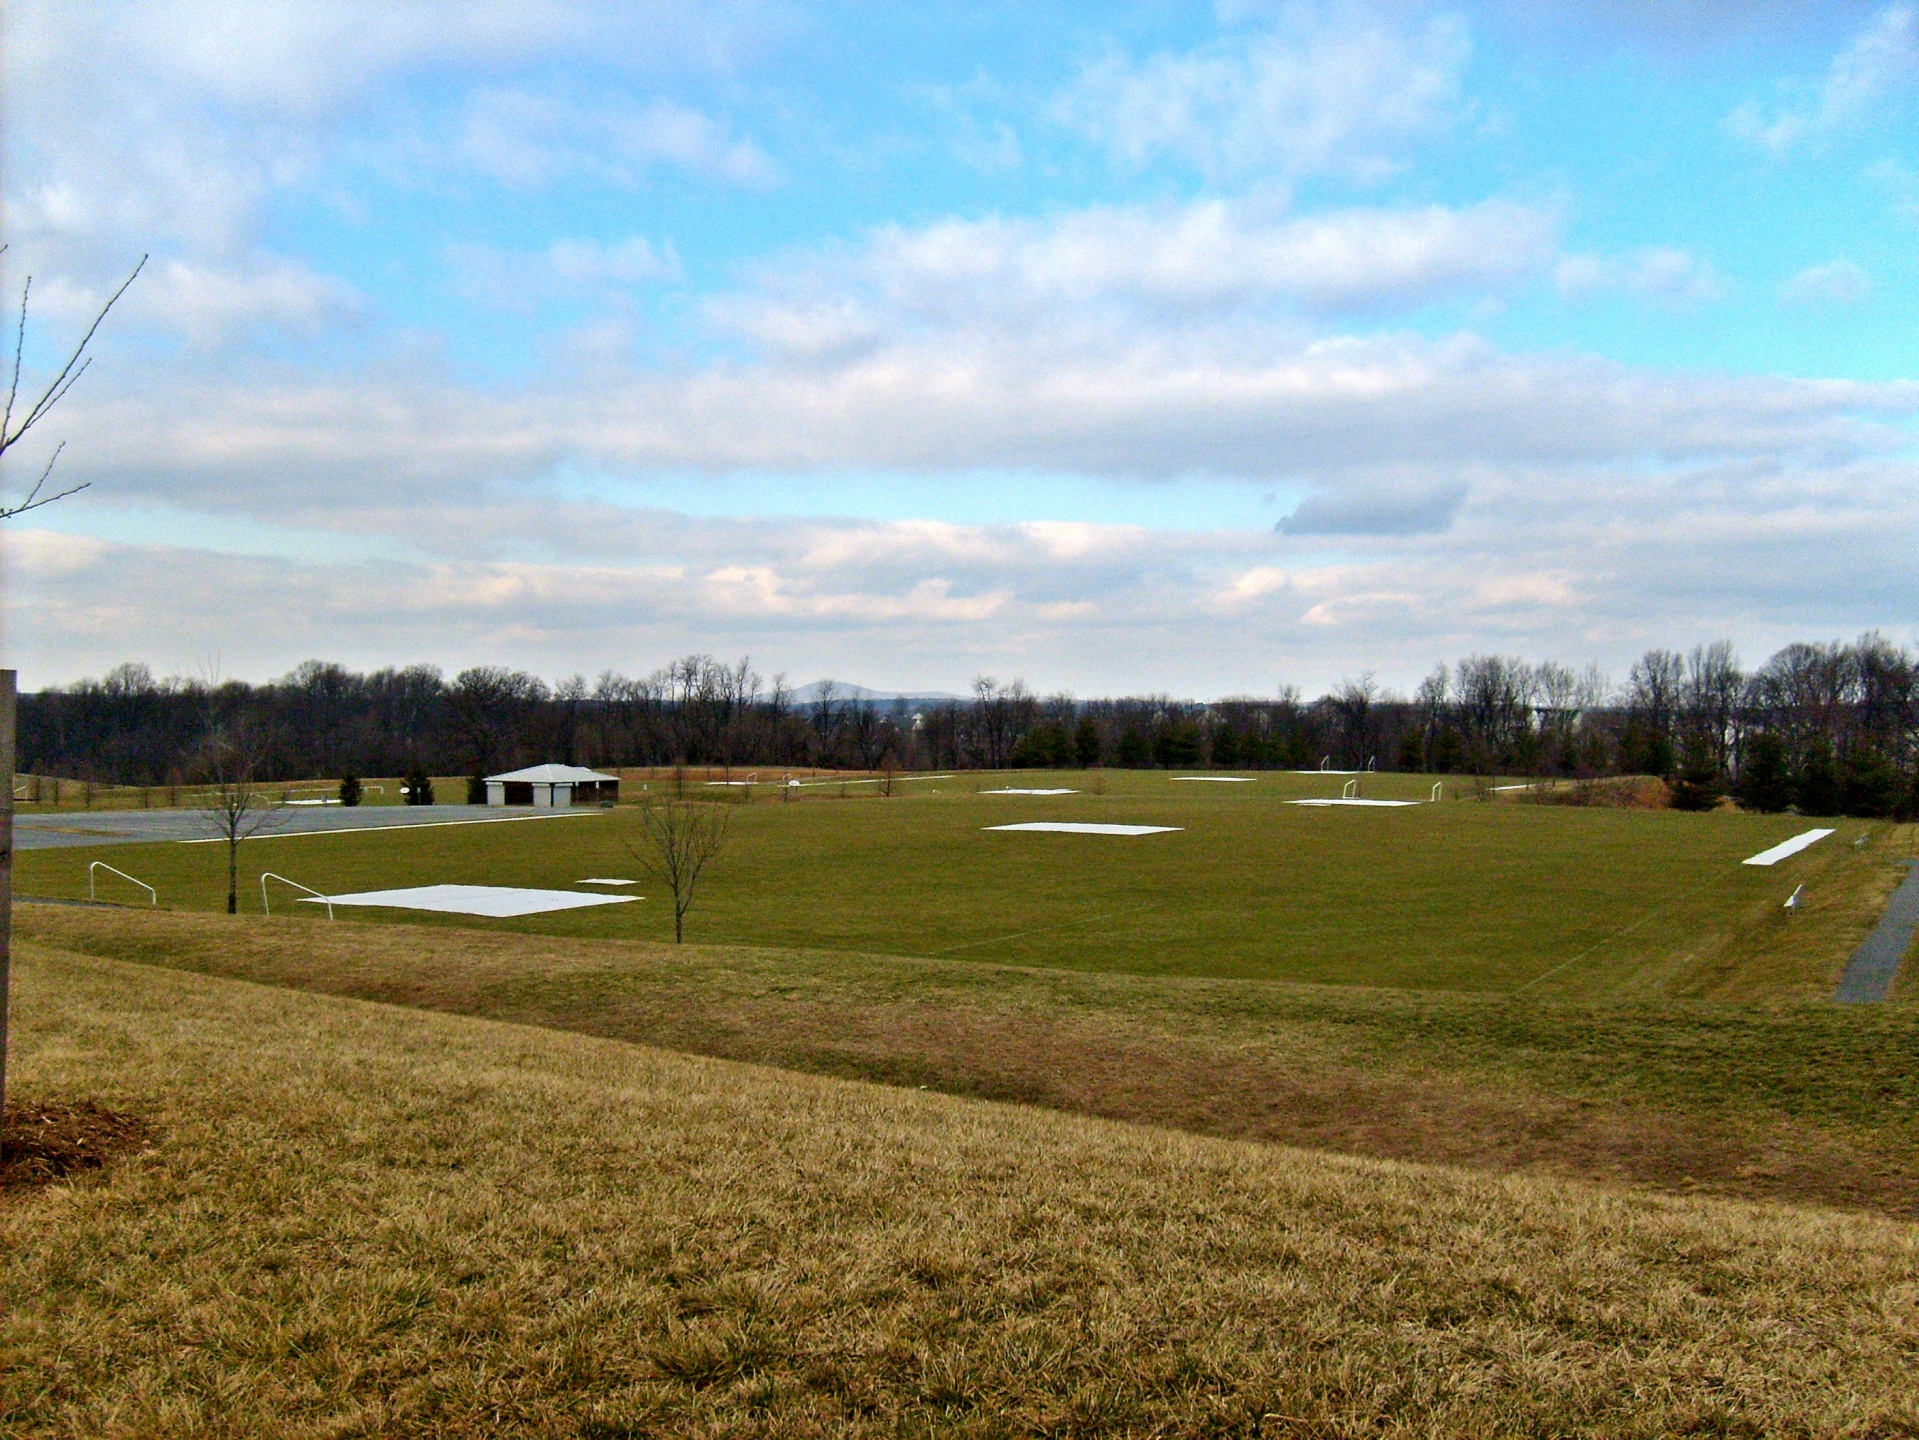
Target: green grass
361,1220
1465,896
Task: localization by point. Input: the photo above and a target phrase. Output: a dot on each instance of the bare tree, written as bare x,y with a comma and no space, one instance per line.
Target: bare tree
677,839
14,429
232,805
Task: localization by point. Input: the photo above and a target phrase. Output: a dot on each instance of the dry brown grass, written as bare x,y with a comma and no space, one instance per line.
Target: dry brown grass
1799,1107
364,1220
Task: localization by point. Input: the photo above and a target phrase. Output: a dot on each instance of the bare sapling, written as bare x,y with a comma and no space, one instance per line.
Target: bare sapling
677,839
232,805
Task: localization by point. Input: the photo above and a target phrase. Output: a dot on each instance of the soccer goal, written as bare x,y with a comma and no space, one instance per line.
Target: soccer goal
269,875
153,896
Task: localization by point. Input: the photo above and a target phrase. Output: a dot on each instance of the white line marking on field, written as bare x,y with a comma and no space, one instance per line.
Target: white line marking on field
1028,792
367,829
1069,827
1389,804
500,902
603,880
1219,779
1787,848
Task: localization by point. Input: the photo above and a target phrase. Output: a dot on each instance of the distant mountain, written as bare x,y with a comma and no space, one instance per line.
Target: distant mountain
843,691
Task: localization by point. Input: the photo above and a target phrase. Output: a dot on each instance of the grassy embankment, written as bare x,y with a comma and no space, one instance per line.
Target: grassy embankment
1798,1101
361,1220
1580,903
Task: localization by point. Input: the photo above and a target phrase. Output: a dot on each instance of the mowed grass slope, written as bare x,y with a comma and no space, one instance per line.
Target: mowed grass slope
1805,1102
1460,895
360,1220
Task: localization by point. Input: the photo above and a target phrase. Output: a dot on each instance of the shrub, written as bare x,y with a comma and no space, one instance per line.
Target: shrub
418,788
476,789
350,790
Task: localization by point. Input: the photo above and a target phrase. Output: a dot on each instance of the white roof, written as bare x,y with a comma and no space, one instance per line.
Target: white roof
548,774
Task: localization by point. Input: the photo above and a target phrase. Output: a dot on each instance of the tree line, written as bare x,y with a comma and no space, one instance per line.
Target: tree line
1827,727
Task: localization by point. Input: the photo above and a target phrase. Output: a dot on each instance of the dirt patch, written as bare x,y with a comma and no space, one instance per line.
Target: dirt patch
44,1143
1631,792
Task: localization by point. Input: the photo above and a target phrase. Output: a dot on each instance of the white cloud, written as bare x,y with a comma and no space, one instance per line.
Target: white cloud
1329,90
1157,264
1670,277
529,138
519,281
1839,282
171,127
1881,59
1569,562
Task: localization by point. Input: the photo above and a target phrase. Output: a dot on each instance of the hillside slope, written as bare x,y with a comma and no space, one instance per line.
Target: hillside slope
363,1220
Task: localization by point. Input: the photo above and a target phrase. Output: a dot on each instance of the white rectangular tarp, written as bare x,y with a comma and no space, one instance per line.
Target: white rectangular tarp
498,901
1069,827
1029,792
1378,804
1786,848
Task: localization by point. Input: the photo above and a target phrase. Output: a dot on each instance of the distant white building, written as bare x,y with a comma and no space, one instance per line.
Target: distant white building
551,787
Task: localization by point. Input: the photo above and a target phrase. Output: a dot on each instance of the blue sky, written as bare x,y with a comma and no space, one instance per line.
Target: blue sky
1181,347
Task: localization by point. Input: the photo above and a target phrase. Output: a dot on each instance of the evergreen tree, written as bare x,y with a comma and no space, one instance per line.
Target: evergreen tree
1225,747
1817,792
1412,752
1086,745
1696,786
1177,744
1869,785
350,790
1135,750
419,787
1765,779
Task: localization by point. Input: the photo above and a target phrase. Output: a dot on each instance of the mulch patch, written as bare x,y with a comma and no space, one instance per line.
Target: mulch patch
42,1144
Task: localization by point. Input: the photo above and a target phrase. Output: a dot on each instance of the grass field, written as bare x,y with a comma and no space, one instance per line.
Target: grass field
1465,896
363,1220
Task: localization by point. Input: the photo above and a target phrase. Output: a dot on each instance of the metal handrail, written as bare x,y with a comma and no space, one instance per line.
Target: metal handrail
266,875
153,896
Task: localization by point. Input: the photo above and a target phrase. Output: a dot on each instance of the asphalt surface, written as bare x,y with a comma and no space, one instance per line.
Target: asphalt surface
143,827
1869,973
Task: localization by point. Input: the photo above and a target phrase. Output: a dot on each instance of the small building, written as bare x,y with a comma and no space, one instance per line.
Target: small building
552,787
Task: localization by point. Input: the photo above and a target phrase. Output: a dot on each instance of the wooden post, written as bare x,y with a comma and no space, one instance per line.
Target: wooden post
6,868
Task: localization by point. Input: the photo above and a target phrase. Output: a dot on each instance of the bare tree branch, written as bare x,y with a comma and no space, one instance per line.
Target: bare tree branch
76,365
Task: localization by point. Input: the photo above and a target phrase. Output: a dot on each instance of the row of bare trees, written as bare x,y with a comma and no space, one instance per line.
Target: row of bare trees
1696,716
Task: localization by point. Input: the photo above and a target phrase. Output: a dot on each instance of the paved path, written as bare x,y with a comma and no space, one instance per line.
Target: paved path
1869,973
141,827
